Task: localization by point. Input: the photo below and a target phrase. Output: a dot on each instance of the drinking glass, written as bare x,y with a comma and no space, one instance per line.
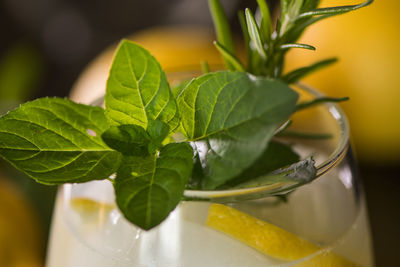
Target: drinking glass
328,215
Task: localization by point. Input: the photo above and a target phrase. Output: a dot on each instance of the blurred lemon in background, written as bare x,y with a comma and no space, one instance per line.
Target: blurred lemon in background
177,48
366,42
21,237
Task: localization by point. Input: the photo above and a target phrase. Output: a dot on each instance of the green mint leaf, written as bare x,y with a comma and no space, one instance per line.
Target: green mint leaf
157,131
222,28
276,156
148,189
222,100
128,139
291,177
297,74
138,90
133,140
231,116
57,141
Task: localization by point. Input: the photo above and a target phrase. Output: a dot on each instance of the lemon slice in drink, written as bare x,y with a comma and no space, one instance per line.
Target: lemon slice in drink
91,210
270,239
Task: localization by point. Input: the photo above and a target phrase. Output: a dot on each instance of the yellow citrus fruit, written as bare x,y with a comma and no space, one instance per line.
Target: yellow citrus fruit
21,238
177,48
365,41
270,239
91,210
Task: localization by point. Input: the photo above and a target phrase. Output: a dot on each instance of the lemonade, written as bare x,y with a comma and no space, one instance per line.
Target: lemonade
326,212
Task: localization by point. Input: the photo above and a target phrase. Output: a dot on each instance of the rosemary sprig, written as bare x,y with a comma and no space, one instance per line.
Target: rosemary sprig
267,47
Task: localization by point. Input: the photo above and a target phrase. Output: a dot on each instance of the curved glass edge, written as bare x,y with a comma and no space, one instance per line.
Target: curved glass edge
344,143
333,159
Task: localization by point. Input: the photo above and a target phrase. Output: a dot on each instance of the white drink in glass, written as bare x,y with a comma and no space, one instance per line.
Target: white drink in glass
106,239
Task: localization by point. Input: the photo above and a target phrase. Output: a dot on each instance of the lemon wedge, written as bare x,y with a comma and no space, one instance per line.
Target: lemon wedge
89,208
270,239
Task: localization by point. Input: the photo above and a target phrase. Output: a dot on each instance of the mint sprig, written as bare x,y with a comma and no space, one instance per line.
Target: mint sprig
227,120
231,116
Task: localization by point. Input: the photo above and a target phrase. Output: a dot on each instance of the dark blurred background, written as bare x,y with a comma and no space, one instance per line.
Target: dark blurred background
46,44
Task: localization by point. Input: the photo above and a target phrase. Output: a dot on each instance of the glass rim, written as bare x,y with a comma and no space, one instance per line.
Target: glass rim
274,189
